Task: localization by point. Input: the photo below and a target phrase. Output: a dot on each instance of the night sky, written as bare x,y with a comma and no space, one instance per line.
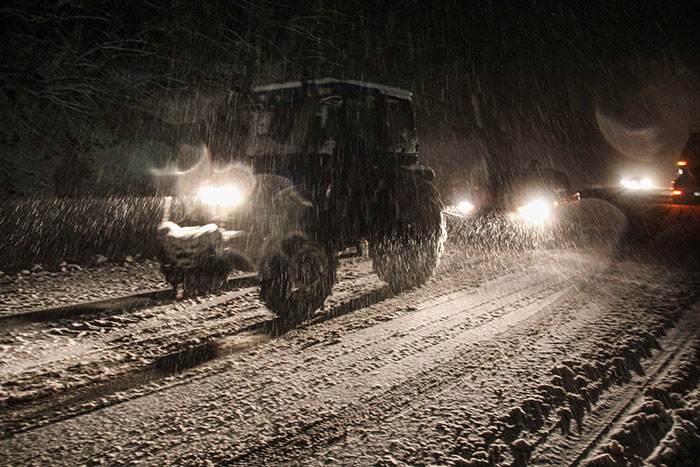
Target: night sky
495,82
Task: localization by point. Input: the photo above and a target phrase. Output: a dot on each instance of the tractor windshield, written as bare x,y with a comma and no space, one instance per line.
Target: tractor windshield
322,124
281,127
399,128
314,124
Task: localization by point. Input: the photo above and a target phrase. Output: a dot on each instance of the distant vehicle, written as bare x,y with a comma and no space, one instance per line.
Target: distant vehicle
332,163
531,195
686,187
636,183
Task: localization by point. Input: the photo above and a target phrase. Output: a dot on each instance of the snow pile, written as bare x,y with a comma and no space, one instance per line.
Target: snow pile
665,428
561,404
681,445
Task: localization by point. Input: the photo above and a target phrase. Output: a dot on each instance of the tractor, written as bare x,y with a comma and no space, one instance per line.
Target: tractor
330,164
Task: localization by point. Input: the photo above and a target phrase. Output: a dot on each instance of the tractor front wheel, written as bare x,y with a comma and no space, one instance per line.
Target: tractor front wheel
296,277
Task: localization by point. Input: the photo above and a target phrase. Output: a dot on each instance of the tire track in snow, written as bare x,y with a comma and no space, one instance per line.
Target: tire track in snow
626,397
507,284
446,355
128,358
169,342
448,318
516,348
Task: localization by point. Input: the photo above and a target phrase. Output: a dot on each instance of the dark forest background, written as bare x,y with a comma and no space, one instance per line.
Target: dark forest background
95,91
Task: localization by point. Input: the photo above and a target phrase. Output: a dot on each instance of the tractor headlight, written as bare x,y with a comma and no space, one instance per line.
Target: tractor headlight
536,211
465,207
225,196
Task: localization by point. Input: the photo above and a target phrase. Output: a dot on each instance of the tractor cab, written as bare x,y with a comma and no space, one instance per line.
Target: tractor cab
302,128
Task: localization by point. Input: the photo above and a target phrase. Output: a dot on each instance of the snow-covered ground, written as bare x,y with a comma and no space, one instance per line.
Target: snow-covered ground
579,354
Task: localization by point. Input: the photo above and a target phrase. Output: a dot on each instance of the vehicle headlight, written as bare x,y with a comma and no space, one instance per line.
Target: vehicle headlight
227,196
635,183
465,207
536,211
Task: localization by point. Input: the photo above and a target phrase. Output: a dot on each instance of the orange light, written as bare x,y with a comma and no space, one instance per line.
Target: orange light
556,203
682,163
677,192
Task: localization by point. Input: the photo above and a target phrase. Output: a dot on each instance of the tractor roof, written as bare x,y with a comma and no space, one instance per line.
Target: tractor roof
327,87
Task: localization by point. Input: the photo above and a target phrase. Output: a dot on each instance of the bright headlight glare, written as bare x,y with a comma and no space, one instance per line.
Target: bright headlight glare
220,195
465,207
536,211
636,183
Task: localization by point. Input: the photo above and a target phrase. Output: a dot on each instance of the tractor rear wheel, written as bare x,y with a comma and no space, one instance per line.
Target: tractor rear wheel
408,256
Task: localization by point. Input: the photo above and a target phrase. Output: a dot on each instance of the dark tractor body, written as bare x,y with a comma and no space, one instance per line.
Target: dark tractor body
348,155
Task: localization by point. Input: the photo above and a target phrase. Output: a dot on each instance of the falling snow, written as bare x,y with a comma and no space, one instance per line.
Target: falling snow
560,327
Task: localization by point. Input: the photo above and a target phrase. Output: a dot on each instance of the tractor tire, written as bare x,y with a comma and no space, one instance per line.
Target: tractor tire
408,256
296,277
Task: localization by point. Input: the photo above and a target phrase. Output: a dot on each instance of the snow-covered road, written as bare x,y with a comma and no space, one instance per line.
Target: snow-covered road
542,356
